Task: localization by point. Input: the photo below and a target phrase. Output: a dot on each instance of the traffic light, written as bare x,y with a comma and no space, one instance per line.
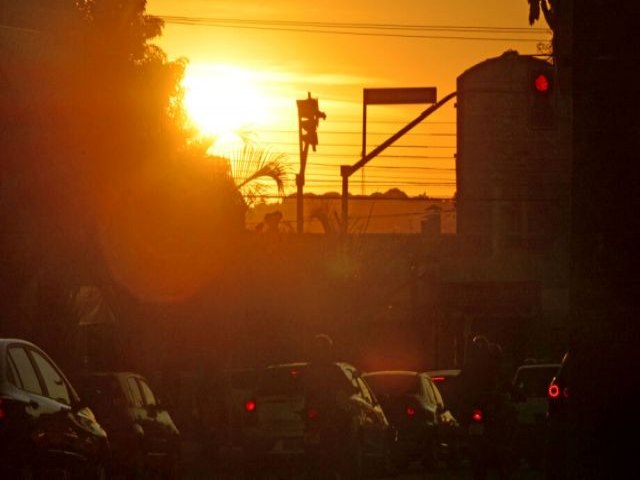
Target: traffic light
308,118
542,104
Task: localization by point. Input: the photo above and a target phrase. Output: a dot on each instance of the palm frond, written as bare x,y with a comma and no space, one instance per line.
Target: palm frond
252,163
272,170
534,11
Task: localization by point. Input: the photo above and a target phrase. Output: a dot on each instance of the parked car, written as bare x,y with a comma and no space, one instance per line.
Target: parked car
46,428
143,437
427,430
325,417
529,389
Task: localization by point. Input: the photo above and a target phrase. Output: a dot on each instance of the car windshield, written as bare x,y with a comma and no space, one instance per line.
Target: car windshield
393,385
534,381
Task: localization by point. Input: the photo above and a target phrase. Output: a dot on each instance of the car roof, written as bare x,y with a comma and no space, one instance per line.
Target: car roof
304,364
7,341
119,374
538,365
391,372
288,365
450,372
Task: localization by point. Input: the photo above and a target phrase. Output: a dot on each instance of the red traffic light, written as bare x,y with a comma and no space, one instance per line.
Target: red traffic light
541,83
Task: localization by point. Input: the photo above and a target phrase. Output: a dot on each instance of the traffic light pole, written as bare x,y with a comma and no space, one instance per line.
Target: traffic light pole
304,150
308,117
347,170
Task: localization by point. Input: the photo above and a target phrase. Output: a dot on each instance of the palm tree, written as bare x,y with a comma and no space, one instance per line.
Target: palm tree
251,165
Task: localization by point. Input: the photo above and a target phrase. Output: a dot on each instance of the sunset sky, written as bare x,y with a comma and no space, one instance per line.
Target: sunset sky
250,60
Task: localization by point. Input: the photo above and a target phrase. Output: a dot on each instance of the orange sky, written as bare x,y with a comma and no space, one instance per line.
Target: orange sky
259,57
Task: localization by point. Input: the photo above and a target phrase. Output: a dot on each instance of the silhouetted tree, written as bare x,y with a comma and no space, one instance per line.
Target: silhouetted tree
91,121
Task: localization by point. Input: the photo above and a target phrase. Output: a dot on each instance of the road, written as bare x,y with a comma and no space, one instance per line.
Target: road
198,466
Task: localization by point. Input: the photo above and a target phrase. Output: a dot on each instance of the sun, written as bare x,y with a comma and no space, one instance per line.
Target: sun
225,102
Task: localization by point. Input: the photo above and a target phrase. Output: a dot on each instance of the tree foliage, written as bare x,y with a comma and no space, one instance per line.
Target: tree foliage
91,115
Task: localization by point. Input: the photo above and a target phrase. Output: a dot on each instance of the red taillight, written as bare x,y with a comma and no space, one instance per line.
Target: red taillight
411,411
554,391
438,379
477,415
565,392
312,414
294,372
250,406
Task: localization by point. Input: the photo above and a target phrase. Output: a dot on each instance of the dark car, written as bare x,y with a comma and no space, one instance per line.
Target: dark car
529,389
46,430
143,437
325,417
427,430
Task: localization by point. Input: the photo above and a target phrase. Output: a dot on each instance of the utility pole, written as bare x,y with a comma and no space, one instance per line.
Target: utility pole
309,116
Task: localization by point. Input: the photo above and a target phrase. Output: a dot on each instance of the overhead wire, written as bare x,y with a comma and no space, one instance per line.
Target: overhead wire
371,30
380,30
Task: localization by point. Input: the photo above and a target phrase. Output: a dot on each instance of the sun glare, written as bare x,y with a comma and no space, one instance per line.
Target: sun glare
225,102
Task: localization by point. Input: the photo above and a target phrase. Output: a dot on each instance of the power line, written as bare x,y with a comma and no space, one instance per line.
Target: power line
349,158
352,156
411,167
398,122
362,25
354,132
324,182
315,27
354,145
353,197
379,174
